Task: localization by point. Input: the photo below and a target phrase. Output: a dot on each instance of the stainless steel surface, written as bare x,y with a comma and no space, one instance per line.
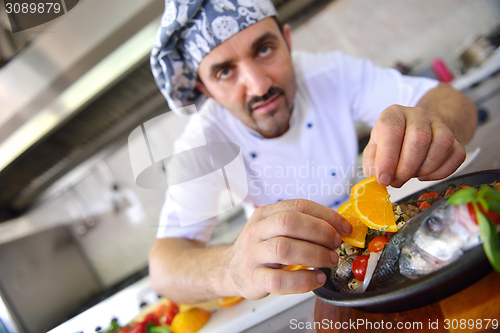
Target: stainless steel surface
46,279
8,324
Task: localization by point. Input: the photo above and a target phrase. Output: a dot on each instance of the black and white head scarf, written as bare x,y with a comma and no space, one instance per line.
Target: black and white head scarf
189,30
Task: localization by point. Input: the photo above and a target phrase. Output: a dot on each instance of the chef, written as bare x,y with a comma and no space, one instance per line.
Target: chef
292,116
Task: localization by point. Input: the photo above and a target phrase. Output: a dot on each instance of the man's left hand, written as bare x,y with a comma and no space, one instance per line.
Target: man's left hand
409,142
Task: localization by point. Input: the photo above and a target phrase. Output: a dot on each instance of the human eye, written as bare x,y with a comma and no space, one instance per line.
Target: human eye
264,50
224,74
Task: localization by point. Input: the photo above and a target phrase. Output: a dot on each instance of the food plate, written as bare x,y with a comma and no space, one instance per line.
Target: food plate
470,268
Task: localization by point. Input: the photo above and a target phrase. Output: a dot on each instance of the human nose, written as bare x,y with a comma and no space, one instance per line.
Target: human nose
256,80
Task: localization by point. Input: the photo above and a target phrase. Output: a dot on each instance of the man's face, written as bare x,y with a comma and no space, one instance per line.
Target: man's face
251,75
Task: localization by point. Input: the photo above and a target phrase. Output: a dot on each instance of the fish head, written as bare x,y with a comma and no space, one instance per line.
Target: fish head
440,237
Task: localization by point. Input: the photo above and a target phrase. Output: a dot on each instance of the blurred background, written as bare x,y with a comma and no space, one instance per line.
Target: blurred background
74,227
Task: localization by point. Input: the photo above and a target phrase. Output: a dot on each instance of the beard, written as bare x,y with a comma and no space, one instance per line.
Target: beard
276,120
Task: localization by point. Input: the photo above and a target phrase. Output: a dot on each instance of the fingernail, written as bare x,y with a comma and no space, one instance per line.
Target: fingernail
336,241
346,226
385,179
334,257
423,178
321,278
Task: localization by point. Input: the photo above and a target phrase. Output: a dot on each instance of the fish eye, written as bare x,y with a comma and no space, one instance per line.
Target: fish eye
434,225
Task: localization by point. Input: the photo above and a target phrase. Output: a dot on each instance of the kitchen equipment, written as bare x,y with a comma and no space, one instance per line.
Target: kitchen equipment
477,52
470,268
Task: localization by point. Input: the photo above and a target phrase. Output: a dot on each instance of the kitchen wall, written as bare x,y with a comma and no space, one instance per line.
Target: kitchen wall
387,31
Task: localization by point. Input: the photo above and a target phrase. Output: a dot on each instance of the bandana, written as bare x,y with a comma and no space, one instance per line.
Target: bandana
189,30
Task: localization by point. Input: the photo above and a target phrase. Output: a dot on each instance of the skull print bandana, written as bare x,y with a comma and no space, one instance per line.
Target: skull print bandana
189,30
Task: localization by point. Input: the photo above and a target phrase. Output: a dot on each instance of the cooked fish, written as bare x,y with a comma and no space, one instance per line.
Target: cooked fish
431,240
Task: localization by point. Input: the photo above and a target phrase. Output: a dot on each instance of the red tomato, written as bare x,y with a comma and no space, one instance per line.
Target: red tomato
138,327
454,189
170,313
151,318
160,310
490,214
359,267
424,204
377,244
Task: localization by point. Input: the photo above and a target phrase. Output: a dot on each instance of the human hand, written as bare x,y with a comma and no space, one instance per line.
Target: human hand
410,142
292,232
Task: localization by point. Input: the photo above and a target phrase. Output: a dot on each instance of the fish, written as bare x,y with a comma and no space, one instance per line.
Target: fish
433,239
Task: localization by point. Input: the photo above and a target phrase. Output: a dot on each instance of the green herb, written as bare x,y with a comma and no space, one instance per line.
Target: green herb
408,255
114,327
350,260
151,328
488,199
489,233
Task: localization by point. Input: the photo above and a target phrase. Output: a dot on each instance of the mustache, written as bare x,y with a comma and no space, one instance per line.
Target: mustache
272,92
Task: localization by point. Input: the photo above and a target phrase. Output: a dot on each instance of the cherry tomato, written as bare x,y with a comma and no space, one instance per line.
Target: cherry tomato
454,189
424,204
359,267
377,244
490,214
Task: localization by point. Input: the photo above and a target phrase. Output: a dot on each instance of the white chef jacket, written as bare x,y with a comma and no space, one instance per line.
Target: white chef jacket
316,158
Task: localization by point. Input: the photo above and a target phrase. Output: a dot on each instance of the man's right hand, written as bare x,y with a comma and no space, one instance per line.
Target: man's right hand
292,232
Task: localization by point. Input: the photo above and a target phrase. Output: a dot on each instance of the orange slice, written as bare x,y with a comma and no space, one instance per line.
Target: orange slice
295,267
370,203
359,229
228,301
189,321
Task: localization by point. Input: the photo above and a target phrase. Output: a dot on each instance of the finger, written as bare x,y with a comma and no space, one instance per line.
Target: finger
369,155
287,251
416,142
451,164
282,282
441,146
301,226
390,133
309,208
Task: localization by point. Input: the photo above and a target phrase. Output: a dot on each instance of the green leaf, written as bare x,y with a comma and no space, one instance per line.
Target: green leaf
491,243
462,196
483,203
492,194
151,328
160,329
494,205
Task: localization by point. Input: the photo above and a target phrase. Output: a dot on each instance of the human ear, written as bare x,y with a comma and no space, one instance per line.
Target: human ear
288,36
201,87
